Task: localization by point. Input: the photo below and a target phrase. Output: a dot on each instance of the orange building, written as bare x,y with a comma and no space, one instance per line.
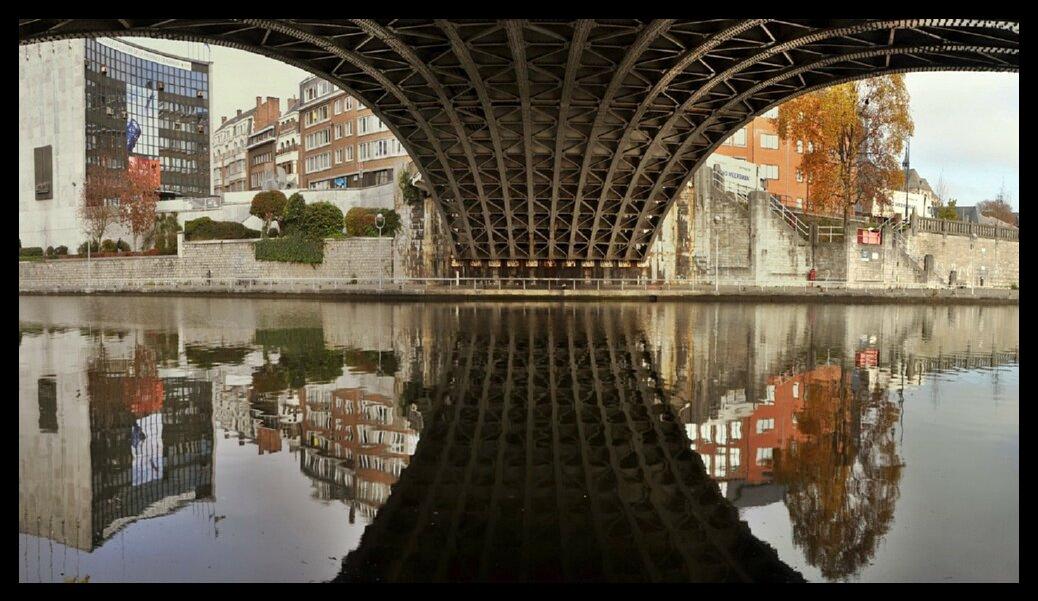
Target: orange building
778,160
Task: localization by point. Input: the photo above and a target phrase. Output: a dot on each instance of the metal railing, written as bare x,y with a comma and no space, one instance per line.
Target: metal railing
458,284
789,217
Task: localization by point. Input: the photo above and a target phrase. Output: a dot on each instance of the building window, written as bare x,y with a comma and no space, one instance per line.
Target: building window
338,106
800,146
48,400
737,139
736,430
764,456
338,156
42,157
772,113
318,162
318,139
765,425
769,141
338,130
800,203
800,176
349,152
768,171
317,115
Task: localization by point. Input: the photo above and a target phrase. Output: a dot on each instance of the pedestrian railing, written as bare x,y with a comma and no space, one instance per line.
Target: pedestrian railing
458,284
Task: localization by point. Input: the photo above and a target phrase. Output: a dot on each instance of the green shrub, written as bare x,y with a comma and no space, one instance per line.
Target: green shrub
107,246
31,251
411,193
291,249
268,206
293,217
361,222
166,228
61,251
205,228
320,220
50,252
1014,286
122,246
94,247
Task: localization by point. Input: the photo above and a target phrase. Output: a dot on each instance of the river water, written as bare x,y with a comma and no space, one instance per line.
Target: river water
206,439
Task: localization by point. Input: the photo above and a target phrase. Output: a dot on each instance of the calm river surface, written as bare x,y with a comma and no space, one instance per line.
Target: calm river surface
198,439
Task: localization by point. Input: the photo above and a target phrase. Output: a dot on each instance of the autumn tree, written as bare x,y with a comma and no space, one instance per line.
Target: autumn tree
853,135
999,208
140,198
268,206
843,476
103,190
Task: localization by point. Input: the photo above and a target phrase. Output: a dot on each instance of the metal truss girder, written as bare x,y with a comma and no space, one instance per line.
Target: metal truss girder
570,140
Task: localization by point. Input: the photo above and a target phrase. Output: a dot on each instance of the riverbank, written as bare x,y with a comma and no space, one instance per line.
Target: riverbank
404,292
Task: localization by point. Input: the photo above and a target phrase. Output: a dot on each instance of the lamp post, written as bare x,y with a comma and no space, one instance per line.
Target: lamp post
380,222
717,254
905,163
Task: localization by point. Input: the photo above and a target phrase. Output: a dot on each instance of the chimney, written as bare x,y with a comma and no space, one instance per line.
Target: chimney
259,101
223,119
239,113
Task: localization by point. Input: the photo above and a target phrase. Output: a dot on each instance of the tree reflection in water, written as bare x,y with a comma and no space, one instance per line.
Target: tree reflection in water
842,473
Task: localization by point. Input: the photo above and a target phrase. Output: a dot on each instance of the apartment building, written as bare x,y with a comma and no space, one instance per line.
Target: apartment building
287,150
262,144
778,161
344,145
230,142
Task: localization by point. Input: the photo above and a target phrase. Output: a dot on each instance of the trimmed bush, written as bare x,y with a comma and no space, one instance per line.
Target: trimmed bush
50,252
293,218
61,251
291,249
320,220
94,247
107,246
361,222
122,246
268,206
31,251
205,228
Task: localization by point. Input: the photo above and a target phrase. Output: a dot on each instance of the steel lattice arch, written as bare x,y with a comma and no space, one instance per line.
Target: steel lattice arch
568,141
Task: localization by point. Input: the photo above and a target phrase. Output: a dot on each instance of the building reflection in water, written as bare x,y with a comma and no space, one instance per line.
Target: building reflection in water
492,442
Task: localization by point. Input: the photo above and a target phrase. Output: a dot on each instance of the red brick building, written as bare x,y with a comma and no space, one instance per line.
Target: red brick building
262,144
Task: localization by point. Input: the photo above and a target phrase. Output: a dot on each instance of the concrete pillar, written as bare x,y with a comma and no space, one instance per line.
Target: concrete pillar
758,205
180,244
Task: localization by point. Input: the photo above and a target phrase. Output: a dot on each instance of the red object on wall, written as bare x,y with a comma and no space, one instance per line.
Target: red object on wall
869,237
866,358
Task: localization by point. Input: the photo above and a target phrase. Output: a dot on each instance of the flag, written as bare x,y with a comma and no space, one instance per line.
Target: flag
133,132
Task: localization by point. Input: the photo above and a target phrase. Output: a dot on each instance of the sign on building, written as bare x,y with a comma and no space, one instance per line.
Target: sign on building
739,176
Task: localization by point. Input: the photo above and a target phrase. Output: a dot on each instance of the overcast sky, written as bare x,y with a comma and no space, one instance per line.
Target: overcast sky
966,124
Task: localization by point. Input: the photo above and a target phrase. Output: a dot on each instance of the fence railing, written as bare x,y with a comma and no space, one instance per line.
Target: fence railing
963,228
459,284
789,217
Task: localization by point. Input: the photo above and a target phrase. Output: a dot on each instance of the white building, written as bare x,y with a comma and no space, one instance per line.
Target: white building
287,150
230,142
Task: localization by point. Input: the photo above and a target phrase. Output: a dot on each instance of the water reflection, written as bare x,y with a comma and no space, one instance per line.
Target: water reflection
488,442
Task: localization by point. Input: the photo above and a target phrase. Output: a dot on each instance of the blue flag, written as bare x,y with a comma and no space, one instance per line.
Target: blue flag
133,132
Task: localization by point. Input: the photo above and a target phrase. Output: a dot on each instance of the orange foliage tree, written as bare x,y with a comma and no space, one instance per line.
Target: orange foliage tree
843,478
853,136
103,190
138,203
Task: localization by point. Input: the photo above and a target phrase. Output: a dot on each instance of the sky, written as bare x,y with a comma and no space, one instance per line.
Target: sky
967,125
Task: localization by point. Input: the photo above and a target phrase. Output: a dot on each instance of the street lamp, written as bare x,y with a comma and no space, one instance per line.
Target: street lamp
717,253
908,145
380,222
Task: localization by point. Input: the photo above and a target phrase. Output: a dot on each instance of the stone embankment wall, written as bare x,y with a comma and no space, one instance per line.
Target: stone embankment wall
995,260
214,262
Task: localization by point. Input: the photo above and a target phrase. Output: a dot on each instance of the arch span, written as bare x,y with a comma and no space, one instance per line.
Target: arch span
569,140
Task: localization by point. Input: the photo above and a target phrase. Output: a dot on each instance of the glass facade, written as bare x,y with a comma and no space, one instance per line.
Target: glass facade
154,110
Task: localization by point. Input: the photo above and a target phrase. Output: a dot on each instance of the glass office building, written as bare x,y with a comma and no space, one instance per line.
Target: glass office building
150,110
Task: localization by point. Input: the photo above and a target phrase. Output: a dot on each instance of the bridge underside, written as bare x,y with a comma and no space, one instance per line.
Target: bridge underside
549,453
569,140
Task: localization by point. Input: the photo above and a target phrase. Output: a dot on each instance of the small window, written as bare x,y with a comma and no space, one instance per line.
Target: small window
48,400
43,160
800,146
769,141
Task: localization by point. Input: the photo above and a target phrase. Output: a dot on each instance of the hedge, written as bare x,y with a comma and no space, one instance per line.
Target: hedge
291,249
31,251
320,220
94,247
107,246
293,218
205,228
361,222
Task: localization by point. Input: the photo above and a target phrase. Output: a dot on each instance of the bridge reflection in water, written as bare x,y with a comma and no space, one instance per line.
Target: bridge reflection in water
549,453
485,441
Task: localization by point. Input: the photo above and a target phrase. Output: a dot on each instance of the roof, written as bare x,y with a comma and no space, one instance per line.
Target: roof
918,184
232,120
